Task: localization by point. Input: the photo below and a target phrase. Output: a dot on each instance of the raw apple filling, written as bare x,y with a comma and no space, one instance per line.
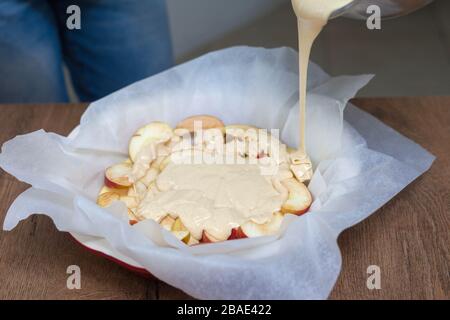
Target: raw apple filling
207,182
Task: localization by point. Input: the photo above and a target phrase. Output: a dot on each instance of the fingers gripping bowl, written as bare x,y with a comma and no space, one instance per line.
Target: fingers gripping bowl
206,182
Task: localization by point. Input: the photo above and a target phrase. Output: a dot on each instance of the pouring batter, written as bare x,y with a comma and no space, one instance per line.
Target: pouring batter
312,16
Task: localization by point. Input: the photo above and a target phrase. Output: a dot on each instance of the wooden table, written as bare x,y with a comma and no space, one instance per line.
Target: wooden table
408,237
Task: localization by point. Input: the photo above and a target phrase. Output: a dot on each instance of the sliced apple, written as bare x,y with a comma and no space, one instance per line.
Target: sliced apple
302,172
153,133
117,176
182,235
301,165
167,222
141,189
206,122
299,198
207,238
132,216
157,162
150,176
237,233
119,191
252,229
131,192
178,225
192,241
164,163
132,213
130,202
105,199
298,156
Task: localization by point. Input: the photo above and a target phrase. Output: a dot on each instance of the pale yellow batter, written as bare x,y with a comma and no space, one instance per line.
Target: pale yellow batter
312,16
232,188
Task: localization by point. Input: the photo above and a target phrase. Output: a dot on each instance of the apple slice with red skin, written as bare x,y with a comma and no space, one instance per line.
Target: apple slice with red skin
299,198
237,233
249,229
109,184
206,122
117,176
252,229
181,232
119,191
207,238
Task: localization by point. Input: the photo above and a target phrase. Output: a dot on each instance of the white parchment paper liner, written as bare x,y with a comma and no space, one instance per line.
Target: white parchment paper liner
360,165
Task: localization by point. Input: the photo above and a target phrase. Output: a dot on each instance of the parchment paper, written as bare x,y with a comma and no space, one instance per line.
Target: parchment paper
359,165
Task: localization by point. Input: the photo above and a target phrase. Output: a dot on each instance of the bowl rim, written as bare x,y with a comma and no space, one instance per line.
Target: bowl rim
100,247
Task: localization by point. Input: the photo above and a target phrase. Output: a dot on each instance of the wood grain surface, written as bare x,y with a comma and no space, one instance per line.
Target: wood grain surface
408,238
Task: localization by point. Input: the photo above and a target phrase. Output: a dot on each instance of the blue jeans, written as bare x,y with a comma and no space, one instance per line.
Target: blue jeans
120,42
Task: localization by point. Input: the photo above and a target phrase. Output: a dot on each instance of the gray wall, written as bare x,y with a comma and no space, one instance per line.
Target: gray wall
410,56
195,23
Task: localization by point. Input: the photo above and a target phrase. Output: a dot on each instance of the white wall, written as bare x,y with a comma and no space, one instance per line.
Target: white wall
194,23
